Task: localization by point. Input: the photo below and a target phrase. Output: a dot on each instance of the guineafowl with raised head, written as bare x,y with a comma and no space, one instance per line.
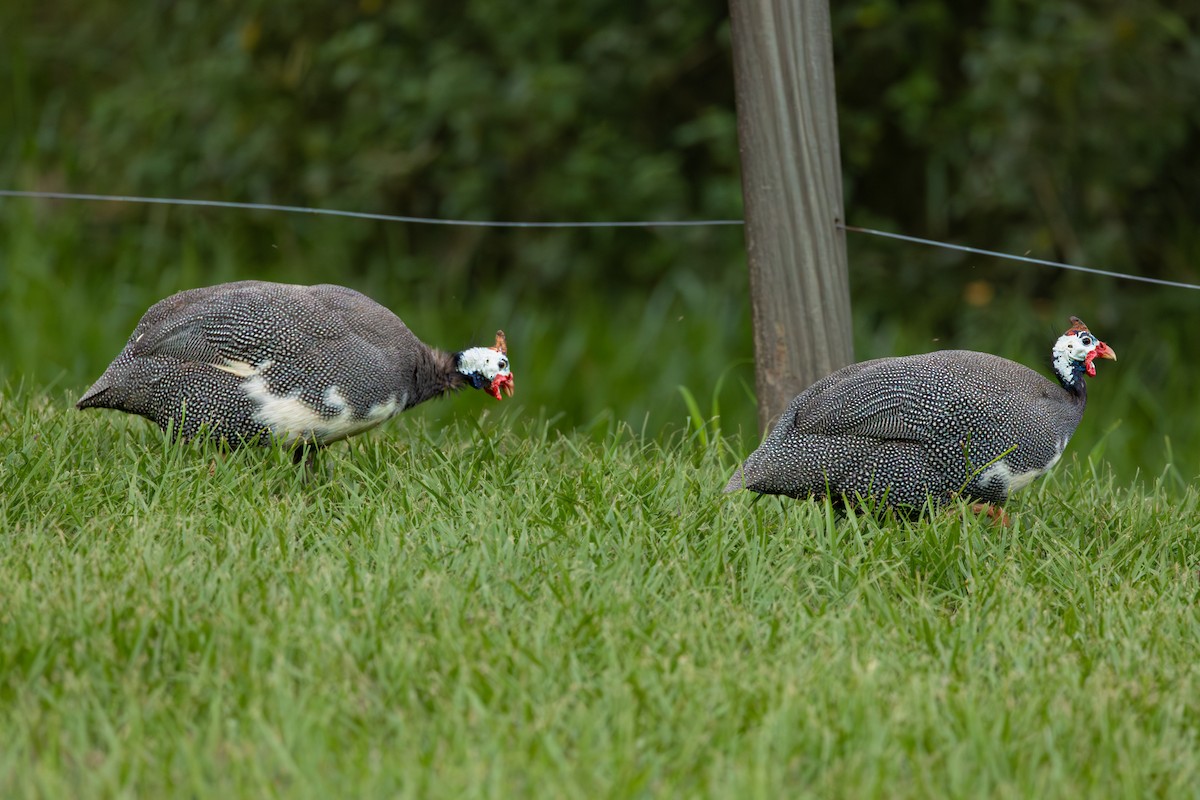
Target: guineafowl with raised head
902,432
308,365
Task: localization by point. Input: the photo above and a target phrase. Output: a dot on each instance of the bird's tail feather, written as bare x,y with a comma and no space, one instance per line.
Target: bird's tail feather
738,482
96,397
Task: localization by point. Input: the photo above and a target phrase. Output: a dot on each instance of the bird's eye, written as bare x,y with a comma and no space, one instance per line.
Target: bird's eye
504,363
1087,341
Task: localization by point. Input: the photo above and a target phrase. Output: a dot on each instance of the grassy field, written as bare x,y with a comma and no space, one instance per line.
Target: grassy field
496,609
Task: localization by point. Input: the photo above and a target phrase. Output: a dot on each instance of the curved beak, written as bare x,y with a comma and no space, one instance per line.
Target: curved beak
501,382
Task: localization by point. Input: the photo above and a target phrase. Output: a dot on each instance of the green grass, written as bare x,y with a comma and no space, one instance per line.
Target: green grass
497,609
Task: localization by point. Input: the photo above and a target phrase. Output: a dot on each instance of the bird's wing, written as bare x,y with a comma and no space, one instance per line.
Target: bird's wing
246,323
913,398
876,399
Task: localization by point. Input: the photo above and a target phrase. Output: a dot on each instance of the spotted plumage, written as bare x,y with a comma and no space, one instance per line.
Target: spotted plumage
899,432
253,361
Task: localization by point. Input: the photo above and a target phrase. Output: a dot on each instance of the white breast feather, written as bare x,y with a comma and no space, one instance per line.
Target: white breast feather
292,420
1016,481
335,398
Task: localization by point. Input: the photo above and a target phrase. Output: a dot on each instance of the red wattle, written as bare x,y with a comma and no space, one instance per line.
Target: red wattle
504,382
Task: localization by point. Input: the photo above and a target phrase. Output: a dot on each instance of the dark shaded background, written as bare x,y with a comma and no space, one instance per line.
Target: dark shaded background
1064,130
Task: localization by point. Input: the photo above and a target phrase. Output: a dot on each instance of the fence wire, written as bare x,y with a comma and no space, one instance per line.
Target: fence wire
695,223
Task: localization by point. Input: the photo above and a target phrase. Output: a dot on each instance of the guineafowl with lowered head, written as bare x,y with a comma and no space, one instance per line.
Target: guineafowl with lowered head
308,365
901,432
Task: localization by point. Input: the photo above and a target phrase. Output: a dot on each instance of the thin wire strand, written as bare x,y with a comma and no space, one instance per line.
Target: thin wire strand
176,201
1043,262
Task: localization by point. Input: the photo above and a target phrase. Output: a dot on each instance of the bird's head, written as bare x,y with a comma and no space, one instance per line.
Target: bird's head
487,367
1075,351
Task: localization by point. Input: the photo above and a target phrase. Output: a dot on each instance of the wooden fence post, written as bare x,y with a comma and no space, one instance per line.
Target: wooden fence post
792,187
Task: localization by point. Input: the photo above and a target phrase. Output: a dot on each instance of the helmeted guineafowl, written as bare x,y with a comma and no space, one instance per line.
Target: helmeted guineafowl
252,361
898,432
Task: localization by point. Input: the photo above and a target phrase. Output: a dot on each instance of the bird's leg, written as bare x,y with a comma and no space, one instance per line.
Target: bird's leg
307,453
996,513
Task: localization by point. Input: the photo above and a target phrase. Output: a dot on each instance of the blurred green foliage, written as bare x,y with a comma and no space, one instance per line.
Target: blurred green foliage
1066,130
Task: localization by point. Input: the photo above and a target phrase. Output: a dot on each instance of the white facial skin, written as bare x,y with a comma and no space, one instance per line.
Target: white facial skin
1074,348
486,361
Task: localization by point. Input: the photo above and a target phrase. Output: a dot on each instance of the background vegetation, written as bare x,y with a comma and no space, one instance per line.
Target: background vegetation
1067,130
